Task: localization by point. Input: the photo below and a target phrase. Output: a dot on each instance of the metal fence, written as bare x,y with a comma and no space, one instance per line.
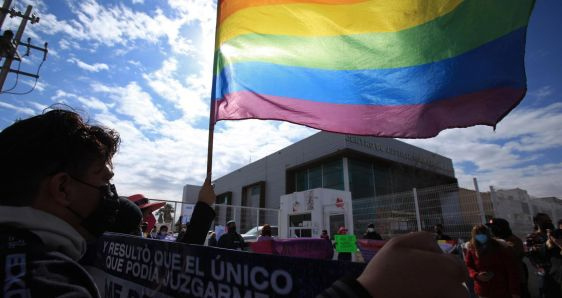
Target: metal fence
419,209
457,209
246,218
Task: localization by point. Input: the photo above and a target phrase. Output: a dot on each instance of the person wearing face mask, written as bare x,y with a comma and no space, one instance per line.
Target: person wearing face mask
492,266
371,233
55,195
231,239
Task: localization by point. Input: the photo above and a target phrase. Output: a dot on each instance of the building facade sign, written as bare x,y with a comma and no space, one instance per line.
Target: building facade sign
415,158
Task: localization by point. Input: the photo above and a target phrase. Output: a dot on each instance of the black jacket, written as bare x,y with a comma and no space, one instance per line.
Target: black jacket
39,272
231,240
199,224
372,235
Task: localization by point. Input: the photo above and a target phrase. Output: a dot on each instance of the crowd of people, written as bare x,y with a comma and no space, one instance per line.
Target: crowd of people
57,198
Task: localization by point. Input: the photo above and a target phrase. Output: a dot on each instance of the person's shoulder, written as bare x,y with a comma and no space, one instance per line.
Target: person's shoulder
47,274
55,274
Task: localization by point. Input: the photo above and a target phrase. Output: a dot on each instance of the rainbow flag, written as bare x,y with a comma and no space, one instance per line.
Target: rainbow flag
394,68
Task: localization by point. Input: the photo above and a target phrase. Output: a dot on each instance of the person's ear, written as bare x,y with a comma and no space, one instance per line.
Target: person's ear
58,187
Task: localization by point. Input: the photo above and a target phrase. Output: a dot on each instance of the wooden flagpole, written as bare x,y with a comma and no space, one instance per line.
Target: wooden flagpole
212,114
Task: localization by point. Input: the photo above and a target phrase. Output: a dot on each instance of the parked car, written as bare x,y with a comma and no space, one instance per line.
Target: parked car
253,233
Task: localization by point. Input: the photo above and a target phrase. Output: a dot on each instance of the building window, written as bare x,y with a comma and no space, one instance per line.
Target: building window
315,177
361,182
223,213
332,175
383,181
301,179
300,225
253,195
326,175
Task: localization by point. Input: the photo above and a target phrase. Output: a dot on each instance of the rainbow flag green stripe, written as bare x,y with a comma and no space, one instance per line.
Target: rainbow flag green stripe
430,42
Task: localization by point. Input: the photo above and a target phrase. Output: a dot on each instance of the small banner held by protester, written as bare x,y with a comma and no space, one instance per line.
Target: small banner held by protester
136,267
369,248
447,246
346,243
310,248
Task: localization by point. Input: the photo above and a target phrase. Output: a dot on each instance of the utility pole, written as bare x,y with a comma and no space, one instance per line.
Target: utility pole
4,11
10,49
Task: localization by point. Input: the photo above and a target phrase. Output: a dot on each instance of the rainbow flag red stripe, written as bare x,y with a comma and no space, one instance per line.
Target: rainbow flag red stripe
407,68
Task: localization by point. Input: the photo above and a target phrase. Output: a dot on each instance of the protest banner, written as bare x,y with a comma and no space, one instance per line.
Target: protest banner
219,231
346,243
369,248
138,267
447,246
311,248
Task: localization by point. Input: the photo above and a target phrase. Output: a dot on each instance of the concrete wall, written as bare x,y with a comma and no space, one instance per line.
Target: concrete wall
518,207
272,169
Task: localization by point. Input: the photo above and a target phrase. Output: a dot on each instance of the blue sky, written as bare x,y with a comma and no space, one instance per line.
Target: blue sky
143,68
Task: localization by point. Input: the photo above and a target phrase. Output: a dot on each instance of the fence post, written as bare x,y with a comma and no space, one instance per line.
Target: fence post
418,219
258,219
479,200
493,199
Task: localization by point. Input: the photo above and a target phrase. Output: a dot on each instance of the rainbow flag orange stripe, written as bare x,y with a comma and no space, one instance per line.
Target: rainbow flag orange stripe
407,68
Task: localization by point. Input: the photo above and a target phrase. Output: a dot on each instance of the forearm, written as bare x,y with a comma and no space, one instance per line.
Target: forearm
199,225
344,288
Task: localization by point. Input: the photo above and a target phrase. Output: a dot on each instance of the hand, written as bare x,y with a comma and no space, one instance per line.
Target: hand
484,276
416,260
207,193
553,241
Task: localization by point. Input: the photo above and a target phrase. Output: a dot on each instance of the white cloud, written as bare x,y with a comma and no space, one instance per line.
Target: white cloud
138,1
156,163
119,24
135,103
37,85
96,67
107,25
88,102
238,142
21,110
502,157
543,92
191,96
66,44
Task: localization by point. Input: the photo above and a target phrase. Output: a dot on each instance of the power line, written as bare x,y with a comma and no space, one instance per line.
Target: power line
9,46
32,88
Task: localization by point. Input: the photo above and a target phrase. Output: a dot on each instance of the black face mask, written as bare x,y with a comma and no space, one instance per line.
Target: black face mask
105,214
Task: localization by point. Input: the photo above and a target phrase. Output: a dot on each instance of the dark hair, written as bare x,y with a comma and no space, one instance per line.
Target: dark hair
56,141
266,230
129,219
492,244
541,217
500,227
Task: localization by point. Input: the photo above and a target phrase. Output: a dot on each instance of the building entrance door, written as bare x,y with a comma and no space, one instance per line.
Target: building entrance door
335,221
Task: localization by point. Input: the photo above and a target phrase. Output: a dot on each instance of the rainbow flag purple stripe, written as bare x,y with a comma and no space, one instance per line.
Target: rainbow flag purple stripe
388,68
